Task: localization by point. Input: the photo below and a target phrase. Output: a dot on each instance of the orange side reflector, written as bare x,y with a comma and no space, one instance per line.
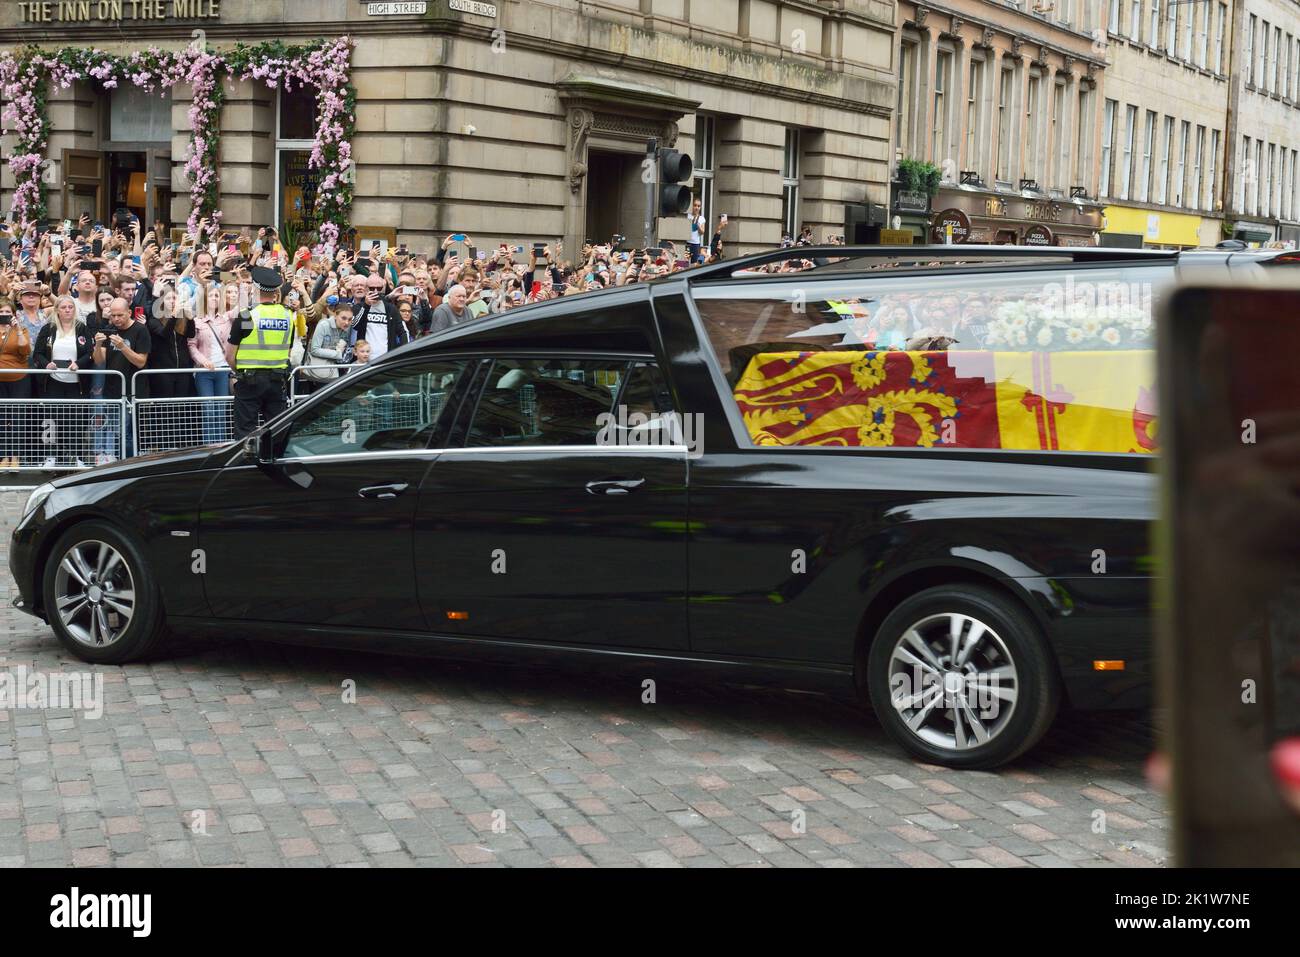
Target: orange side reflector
458,615
1108,665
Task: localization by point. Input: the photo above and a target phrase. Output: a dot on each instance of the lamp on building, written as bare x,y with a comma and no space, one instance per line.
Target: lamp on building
1078,192
1029,184
135,191
971,177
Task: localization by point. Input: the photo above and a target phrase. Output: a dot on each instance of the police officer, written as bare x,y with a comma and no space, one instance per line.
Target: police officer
262,340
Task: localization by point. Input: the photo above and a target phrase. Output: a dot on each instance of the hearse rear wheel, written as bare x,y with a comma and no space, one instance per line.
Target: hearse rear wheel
961,676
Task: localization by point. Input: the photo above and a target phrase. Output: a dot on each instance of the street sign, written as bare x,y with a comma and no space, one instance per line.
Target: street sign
1039,236
951,226
474,7
396,8
907,201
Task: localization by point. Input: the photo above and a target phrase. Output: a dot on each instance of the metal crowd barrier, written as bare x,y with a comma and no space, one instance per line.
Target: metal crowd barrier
166,423
47,434
44,434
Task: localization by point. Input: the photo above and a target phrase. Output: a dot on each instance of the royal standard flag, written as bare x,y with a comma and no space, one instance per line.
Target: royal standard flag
1074,401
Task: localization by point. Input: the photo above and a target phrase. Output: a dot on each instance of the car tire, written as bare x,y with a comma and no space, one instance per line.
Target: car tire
1002,682
101,597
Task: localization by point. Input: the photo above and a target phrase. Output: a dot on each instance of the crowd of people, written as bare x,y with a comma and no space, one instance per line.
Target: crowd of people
90,305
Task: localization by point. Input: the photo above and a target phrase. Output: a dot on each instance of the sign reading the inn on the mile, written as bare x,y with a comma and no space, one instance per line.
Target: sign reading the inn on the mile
81,11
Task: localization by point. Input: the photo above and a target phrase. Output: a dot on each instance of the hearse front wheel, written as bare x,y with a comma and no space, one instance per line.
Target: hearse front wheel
100,597
961,676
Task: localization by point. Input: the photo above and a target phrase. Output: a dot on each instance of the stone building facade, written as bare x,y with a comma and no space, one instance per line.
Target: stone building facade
1005,100
513,121
1263,184
1165,121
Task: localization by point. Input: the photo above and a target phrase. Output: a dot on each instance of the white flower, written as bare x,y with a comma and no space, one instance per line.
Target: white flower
1045,336
1110,336
1073,336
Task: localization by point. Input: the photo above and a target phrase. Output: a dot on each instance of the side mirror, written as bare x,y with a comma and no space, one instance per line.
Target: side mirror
260,448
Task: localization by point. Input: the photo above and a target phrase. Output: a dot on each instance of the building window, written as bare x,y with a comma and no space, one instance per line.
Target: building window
1082,134
942,82
1033,110
1171,32
1286,71
1153,34
1135,22
1257,174
1002,166
1058,154
1283,197
705,150
1295,71
906,92
1275,65
1213,204
1162,182
1197,199
1126,165
1219,36
1185,45
790,185
1107,140
295,180
974,102
1241,191
1266,200
1148,144
1250,52
1203,37
1114,16
1261,65
1180,171
1291,187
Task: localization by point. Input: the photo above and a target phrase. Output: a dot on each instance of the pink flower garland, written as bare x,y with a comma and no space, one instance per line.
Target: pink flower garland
327,67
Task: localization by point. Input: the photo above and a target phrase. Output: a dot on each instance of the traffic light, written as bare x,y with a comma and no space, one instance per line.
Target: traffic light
675,168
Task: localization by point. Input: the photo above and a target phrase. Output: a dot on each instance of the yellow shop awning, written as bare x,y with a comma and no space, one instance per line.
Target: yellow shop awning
1170,229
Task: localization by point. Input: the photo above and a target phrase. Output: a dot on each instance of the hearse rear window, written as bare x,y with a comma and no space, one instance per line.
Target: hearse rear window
1029,359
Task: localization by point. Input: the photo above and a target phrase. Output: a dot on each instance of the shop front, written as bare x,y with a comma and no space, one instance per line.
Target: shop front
1254,233
987,217
1135,228
909,213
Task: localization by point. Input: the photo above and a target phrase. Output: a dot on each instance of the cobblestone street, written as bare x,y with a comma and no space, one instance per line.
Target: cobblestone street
247,753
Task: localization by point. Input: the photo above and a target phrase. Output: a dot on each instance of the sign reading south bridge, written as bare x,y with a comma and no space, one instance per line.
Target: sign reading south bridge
84,11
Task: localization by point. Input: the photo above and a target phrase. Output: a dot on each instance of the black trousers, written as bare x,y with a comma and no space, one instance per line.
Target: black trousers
260,393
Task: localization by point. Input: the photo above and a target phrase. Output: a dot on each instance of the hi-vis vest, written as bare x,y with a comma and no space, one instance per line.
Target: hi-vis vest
267,346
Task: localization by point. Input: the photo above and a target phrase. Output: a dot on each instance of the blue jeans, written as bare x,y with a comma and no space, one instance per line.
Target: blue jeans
105,440
213,384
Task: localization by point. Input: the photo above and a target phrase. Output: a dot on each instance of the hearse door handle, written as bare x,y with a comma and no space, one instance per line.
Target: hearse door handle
614,486
383,491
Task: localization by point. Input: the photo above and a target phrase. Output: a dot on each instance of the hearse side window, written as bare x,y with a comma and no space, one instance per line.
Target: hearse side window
393,409
528,402
1027,359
